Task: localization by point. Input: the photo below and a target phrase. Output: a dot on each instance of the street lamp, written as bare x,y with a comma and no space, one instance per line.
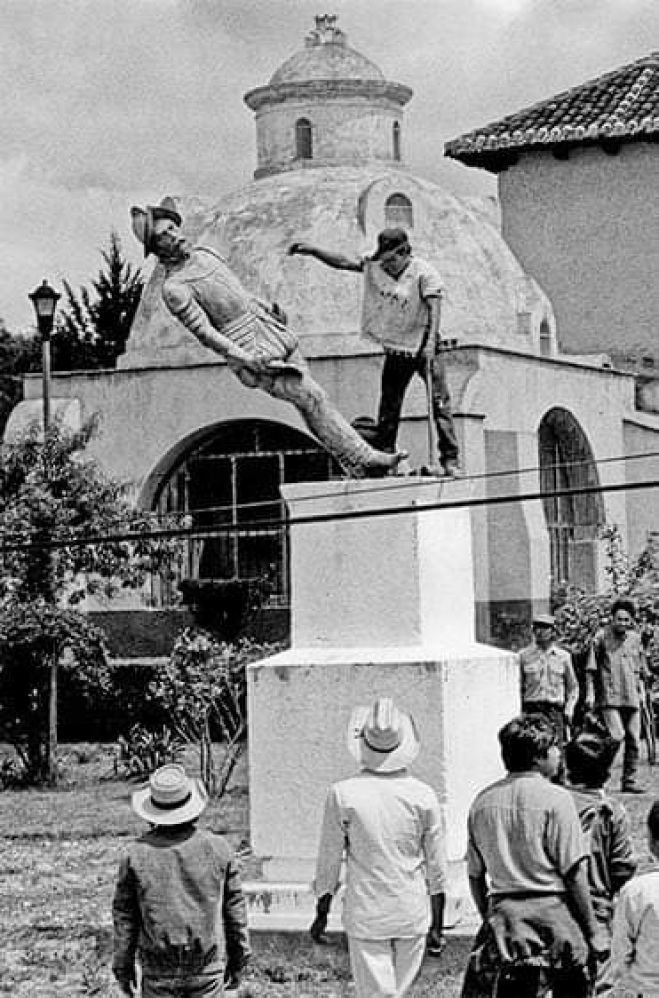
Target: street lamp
45,299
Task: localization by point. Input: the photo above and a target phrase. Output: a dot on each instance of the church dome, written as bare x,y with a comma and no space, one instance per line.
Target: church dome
330,172
488,299
329,61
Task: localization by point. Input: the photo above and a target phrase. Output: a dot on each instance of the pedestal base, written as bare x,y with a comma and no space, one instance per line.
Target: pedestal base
300,704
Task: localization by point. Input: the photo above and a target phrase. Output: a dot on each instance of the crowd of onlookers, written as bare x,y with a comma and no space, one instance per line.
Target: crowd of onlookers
550,860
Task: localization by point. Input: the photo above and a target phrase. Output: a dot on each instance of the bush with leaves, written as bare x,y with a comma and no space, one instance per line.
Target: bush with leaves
579,615
58,515
202,692
141,751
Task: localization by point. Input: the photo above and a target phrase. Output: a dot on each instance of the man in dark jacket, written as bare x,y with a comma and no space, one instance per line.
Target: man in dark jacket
178,906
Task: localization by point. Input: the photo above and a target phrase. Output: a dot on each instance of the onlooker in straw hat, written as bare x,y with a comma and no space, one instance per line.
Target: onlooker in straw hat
389,827
178,906
401,309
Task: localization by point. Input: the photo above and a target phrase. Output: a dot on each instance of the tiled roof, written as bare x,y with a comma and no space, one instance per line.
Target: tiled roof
621,106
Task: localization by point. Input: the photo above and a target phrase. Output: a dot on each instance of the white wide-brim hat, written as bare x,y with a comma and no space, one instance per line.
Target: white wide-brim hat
382,737
171,797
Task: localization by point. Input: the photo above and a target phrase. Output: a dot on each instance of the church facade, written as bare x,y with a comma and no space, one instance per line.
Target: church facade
189,438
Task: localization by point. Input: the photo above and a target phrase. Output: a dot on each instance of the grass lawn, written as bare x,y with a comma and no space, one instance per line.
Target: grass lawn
60,851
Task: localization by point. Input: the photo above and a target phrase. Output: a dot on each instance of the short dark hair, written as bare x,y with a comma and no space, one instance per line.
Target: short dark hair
624,604
526,740
589,757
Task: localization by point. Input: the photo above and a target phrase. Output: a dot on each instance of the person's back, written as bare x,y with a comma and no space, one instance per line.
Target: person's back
180,878
604,820
518,826
386,817
525,860
178,905
634,964
388,827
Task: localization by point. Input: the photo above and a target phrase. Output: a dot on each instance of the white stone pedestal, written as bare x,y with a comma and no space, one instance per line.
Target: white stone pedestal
382,604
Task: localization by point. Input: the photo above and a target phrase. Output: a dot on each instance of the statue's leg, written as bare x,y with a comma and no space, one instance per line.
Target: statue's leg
353,453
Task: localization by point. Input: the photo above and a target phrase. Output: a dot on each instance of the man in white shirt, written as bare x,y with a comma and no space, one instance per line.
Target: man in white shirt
401,310
389,827
634,966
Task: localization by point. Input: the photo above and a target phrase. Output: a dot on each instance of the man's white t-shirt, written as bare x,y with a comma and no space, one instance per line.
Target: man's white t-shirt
395,309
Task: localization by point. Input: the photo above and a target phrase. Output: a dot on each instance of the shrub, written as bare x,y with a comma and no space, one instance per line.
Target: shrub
142,751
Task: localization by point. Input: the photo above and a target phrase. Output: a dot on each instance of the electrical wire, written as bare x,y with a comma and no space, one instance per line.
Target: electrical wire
403,483
411,481
260,526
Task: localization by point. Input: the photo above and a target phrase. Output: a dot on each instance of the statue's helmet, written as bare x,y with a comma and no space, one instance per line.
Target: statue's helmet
143,220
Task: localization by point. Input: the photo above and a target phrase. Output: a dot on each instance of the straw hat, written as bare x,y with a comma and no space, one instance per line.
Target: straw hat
171,797
143,220
382,737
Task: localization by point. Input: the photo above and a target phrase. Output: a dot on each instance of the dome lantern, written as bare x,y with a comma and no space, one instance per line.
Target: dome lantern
327,105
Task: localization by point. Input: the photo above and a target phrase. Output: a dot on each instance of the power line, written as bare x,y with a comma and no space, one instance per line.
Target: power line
411,481
260,526
403,483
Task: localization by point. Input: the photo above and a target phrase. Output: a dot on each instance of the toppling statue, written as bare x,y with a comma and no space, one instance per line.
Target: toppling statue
206,296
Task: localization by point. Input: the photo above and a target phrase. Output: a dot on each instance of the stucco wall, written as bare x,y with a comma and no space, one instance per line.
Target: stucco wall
149,417
587,229
641,437
343,131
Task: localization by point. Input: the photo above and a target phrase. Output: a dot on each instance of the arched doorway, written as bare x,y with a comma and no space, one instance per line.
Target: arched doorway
573,521
229,485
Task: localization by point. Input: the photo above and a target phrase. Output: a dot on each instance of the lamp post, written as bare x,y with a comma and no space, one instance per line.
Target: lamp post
45,299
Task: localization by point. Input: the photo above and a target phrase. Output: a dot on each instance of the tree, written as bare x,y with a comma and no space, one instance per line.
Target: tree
18,355
93,325
51,499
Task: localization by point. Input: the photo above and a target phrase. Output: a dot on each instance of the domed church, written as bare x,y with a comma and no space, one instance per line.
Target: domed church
330,170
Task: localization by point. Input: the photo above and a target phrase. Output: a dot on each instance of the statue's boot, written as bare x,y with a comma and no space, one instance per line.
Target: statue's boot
357,457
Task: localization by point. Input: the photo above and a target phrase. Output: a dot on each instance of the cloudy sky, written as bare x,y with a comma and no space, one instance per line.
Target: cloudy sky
105,103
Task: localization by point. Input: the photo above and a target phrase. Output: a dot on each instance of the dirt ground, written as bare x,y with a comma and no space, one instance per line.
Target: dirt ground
59,854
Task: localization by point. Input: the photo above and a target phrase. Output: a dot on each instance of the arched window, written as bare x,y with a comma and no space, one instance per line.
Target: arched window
396,138
230,483
545,339
398,212
573,521
303,139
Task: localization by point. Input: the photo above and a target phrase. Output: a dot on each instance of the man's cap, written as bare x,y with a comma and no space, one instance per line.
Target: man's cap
543,620
143,220
390,239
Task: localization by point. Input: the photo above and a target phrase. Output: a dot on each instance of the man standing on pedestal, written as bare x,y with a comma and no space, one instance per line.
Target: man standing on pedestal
615,674
549,685
388,826
401,310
